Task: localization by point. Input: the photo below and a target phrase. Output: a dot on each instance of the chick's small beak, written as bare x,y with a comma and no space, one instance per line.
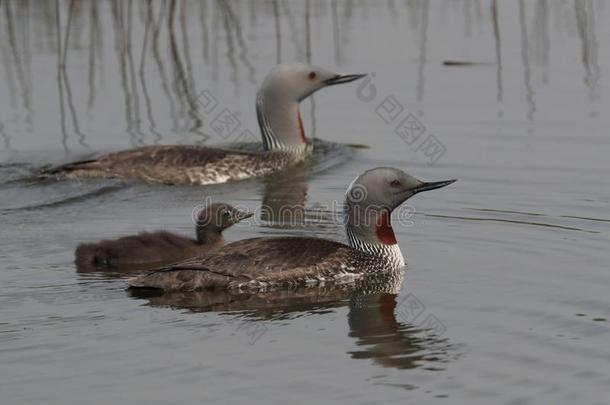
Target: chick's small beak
241,215
343,78
433,185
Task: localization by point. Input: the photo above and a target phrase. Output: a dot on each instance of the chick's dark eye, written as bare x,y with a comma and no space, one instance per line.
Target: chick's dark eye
312,75
395,183
226,214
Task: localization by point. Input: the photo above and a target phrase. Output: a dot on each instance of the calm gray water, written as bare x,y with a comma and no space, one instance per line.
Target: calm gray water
505,298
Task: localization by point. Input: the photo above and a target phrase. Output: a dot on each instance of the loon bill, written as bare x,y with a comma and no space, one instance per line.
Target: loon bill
262,263
160,247
281,127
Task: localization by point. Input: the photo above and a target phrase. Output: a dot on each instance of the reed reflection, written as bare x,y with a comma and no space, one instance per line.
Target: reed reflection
95,51
423,46
149,58
64,135
525,52
160,67
585,23
184,86
541,41
6,139
278,34
142,72
496,31
66,80
20,54
232,22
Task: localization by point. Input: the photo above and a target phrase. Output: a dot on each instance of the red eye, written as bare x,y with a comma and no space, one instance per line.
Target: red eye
395,183
312,75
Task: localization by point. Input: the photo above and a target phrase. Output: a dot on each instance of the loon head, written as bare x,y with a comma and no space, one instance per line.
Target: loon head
370,200
278,101
293,82
215,218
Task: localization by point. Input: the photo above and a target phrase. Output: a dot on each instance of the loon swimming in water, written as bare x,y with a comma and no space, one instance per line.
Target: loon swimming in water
262,263
161,246
284,142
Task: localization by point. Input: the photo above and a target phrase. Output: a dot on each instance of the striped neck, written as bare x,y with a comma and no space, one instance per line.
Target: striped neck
372,233
280,124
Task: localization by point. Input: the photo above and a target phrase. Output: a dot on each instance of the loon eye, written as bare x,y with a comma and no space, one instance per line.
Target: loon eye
227,214
312,75
395,183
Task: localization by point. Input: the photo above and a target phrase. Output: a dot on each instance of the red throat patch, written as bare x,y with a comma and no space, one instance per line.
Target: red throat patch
301,127
387,304
383,229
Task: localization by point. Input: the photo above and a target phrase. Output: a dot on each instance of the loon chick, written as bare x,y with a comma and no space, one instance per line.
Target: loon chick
161,246
261,263
284,142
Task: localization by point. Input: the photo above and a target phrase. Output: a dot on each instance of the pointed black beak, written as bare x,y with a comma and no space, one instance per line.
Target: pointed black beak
433,185
344,78
241,215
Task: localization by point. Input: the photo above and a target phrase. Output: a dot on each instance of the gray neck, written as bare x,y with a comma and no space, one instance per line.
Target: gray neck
208,235
280,123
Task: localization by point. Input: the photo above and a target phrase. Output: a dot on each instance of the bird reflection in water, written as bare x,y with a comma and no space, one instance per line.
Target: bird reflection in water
285,193
379,334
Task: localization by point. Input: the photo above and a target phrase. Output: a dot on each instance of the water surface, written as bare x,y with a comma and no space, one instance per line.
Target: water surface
505,297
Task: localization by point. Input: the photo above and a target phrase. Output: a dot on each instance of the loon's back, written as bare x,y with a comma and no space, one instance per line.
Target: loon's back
177,164
261,263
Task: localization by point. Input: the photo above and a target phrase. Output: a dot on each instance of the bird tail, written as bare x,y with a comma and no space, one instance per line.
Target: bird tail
66,168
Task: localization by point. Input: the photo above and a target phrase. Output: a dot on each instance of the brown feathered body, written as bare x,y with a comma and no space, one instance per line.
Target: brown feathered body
266,263
146,247
161,246
181,164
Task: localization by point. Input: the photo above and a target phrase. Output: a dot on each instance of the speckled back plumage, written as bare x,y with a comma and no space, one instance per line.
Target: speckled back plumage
180,164
265,263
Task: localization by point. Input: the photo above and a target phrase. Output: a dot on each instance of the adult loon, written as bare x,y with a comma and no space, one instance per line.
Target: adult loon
161,246
283,135
261,263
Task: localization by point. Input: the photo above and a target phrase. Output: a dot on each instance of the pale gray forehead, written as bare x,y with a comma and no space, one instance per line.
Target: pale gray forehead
297,69
293,67
385,175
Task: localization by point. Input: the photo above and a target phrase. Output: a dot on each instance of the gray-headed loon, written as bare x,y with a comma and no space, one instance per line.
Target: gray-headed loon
284,141
281,262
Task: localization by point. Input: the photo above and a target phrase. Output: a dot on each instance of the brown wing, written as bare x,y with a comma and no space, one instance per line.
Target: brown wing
168,154
273,261
165,163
